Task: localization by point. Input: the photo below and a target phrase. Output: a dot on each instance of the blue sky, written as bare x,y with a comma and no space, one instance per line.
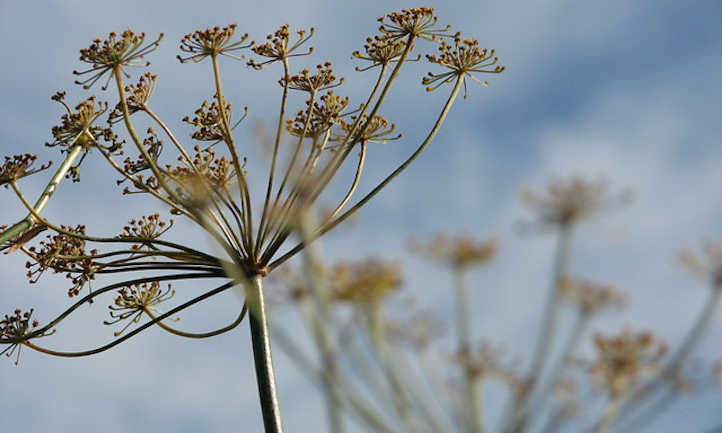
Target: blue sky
624,91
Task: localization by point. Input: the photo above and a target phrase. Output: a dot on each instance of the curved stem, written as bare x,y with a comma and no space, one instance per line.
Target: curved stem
97,292
199,335
610,413
263,360
354,184
133,332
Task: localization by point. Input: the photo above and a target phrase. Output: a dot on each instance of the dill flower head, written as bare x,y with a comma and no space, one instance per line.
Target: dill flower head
365,283
207,169
18,166
415,22
18,325
460,252
623,359
380,51
323,116
118,51
366,130
710,268
590,297
212,42
279,48
133,301
146,227
462,59
323,79
138,96
63,253
569,201
78,126
209,120
153,146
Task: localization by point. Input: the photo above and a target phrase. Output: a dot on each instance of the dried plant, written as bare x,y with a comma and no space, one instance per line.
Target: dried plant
426,376
210,187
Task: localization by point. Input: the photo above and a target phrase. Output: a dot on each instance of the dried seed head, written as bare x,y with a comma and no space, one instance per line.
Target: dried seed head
460,252
323,116
623,359
365,130
153,147
380,51
138,96
18,166
64,253
209,119
463,58
366,283
17,326
77,126
590,297
569,201
133,301
116,51
208,171
277,46
416,22
323,79
711,268
149,227
212,42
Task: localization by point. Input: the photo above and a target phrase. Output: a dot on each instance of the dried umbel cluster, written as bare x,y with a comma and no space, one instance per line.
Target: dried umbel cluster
590,297
17,326
208,183
624,359
460,252
365,283
18,166
132,302
569,201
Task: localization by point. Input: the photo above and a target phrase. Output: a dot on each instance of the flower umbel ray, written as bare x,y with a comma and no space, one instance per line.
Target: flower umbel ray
463,58
211,42
124,50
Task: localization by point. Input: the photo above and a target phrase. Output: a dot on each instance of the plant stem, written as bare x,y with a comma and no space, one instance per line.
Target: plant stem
22,226
545,341
261,342
610,413
463,330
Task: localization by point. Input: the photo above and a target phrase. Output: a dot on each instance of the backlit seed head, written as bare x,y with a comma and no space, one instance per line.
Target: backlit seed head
279,47
623,359
323,79
462,59
416,22
117,51
460,252
18,166
365,283
212,42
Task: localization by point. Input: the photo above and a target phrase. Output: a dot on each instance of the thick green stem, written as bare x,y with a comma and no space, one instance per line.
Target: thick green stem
22,226
261,342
